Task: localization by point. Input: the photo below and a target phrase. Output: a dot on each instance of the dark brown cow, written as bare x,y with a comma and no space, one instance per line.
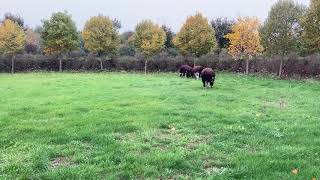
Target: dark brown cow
197,71
208,76
185,71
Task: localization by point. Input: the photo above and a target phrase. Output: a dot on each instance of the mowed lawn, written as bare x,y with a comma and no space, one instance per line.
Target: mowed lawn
159,126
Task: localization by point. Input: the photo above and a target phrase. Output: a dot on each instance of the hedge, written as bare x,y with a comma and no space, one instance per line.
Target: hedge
293,66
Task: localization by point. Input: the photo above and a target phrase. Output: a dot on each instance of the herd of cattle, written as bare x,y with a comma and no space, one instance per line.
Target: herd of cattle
206,74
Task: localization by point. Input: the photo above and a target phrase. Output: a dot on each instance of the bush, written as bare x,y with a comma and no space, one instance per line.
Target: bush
164,62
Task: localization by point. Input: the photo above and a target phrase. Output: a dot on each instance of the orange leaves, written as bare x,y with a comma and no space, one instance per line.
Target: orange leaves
244,39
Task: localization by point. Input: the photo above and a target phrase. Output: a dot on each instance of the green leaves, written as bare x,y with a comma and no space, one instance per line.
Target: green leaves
222,27
281,32
59,34
311,24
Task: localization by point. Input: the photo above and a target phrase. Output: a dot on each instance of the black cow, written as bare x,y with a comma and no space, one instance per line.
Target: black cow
197,71
208,76
185,71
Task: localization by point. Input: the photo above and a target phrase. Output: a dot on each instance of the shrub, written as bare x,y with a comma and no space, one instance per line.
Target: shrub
164,62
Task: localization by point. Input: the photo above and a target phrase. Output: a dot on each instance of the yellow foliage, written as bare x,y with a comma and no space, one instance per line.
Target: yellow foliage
100,36
196,36
245,40
149,38
12,38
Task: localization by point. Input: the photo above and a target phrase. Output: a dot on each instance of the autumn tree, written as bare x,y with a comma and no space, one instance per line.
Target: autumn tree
222,27
196,36
281,32
101,37
311,24
12,40
244,39
33,40
149,38
59,35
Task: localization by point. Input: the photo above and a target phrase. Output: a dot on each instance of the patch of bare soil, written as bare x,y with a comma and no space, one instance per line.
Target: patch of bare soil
165,139
281,104
61,162
195,142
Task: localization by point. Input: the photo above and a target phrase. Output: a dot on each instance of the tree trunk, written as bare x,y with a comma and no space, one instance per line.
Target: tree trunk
280,67
145,66
101,65
60,64
247,66
12,64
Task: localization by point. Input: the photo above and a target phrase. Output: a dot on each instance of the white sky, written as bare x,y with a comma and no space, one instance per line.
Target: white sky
170,12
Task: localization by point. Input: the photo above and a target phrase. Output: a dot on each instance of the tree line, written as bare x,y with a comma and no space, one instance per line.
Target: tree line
290,28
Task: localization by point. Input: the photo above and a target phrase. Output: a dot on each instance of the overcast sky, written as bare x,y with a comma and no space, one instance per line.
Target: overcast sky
170,12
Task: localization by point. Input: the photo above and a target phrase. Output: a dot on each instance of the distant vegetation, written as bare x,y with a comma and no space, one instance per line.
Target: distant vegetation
290,29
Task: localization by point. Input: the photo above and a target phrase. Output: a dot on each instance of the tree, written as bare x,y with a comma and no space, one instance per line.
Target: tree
311,23
32,41
59,35
169,46
127,44
196,36
116,23
12,40
281,32
169,36
124,37
222,27
38,29
101,37
149,38
15,18
245,39
82,49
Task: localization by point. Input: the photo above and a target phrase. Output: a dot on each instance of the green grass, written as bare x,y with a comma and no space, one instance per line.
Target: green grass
128,126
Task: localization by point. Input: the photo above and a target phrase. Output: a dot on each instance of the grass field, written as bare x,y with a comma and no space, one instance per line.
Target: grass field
128,126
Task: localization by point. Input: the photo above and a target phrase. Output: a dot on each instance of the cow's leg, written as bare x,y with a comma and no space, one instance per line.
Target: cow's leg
204,83
197,75
211,84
